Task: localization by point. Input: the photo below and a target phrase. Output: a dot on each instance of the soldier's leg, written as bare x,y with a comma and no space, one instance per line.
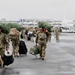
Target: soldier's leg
40,52
43,52
15,48
49,38
1,58
57,38
1,61
13,45
16,51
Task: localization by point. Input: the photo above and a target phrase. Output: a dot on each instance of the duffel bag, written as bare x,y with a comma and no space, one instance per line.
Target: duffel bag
8,55
34,50
8,60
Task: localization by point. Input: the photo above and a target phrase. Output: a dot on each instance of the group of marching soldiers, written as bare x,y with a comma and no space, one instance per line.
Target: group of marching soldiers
27,34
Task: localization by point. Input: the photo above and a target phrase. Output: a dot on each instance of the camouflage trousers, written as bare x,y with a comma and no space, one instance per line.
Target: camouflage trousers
1,53
57,38
42,51
49,38
15,48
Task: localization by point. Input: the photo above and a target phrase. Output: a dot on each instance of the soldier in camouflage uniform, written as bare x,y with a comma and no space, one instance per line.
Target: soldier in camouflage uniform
41,42
15,43
56,32
4,43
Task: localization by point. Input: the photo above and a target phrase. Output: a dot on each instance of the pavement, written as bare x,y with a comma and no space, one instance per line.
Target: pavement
59,60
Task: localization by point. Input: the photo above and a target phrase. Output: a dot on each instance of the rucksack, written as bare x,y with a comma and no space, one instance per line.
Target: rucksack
34,50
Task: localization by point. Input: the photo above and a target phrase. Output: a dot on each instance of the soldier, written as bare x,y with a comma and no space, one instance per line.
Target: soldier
15,41
56,32
4,43
41,42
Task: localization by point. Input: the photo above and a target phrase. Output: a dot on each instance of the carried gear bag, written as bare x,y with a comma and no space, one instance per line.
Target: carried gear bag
34,50
8,55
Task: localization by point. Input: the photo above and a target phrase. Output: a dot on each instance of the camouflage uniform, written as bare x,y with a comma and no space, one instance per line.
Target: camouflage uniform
4,43
56,32
41,43
15,43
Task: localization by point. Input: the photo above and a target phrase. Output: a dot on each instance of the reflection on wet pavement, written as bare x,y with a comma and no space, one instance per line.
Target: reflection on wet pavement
9,71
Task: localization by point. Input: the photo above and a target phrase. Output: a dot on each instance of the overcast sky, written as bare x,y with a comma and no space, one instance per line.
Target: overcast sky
37,9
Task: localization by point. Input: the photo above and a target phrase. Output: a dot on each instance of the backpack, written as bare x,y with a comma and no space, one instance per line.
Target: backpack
13,31
13,37
34,50
8,55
